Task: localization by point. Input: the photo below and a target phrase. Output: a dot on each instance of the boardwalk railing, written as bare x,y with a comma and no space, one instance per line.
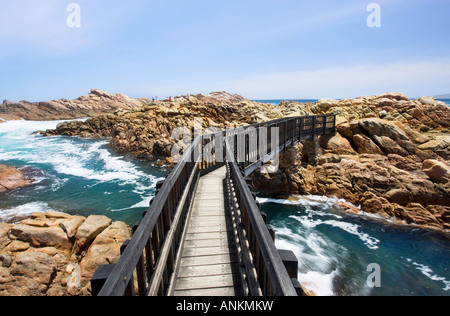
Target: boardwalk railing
265,271
148,260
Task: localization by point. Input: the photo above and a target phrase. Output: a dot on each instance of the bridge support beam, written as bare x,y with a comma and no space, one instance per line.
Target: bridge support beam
311,150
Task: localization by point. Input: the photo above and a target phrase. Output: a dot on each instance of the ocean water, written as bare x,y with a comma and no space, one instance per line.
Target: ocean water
74,175
84,177
335,249
278,101
446,101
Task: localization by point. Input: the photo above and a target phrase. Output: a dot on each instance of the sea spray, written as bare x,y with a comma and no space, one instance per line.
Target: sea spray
76,175
335,249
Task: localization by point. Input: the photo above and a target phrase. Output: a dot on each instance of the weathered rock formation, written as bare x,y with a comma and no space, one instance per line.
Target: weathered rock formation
97,102
146,131
11,178
55,254
390,155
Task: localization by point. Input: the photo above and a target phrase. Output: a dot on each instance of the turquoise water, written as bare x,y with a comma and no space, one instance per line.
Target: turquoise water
334,250
75,175
82,176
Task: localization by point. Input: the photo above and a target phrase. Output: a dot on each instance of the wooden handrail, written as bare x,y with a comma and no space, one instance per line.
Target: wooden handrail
271,274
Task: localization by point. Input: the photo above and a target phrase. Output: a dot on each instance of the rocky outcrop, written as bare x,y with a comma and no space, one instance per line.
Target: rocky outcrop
390,156
95,103
55,254
423,114
146,132
11,178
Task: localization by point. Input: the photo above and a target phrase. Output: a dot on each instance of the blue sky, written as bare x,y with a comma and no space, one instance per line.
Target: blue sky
258,48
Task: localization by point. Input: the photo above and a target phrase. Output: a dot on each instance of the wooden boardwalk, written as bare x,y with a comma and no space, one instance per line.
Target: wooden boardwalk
208,262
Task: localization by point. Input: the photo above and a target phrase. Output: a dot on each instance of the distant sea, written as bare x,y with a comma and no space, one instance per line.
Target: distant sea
86,177
447,101
277,101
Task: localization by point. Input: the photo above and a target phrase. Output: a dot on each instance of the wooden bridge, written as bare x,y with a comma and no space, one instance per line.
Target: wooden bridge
204,233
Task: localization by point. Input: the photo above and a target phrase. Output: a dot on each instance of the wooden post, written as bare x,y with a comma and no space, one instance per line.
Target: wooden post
99,278
301,129
324,124
264,216
298,287
314,126
271,232
290,262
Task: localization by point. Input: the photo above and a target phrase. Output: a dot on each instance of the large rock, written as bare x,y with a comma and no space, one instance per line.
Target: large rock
326,104
364,145
379,127
36,266
104,250
337,144
389,146
11,178
37,256
87,232
436,170
71,225
440,146
41,236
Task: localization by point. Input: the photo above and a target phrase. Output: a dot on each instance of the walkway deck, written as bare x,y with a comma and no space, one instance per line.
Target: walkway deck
208,256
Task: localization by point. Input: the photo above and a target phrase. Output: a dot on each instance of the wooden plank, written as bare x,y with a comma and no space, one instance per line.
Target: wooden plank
206,236
208,282
211,251
209,222
205,243
205,260
209,229
206,270
208,212
223,291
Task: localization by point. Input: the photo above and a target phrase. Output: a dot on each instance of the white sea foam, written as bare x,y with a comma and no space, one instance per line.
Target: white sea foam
370,242
428,272
306,200
145,198
313,251
67,156
23,211
319,283
310,221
